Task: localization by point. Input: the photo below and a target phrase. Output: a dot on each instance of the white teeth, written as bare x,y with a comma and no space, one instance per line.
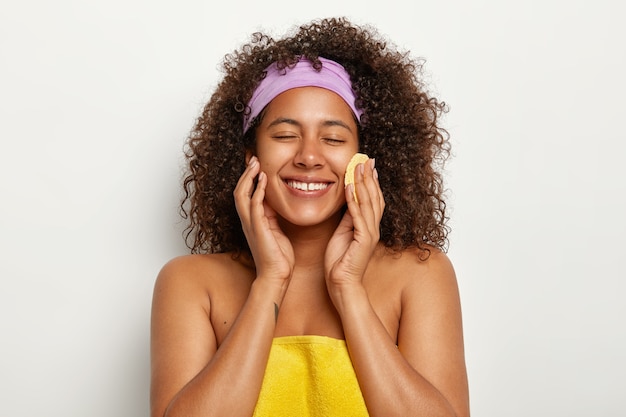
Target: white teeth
307,186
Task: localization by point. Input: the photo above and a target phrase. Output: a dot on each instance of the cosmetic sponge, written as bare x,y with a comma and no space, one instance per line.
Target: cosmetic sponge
358,158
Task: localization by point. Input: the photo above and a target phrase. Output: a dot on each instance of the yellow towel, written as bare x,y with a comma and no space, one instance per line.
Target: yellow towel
309,376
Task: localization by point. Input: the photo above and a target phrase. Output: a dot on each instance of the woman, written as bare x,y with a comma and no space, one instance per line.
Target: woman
302,296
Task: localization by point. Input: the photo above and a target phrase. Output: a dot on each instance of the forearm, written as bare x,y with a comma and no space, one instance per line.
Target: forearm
390,385
230,383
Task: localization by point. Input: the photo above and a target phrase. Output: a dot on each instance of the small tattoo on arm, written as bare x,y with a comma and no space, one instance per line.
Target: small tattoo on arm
275,312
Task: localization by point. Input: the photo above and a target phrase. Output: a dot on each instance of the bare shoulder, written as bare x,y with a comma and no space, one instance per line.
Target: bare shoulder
211,288
200,265
427,278
194,272
416,284
400,284
413,268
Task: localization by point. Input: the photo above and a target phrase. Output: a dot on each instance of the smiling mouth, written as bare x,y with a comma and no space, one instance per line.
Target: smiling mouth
307,186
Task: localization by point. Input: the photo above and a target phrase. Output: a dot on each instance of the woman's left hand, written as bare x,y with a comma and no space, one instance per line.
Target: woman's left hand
351,246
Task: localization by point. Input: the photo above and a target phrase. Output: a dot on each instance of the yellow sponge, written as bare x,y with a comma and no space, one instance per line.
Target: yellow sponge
358,158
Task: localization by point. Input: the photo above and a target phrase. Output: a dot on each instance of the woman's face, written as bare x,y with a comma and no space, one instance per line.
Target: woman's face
304,143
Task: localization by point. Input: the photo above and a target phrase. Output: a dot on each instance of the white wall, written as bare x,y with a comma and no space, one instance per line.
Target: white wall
96,99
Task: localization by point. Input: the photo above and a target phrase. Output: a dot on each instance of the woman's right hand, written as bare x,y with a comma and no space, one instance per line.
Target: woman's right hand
271,249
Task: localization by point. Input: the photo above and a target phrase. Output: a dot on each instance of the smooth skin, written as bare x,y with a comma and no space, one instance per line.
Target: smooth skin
323,270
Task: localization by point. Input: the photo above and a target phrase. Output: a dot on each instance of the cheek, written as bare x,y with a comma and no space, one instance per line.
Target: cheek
341,160
273,159
268,166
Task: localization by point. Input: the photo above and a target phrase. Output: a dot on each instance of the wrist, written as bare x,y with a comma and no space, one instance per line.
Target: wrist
270,288
349,298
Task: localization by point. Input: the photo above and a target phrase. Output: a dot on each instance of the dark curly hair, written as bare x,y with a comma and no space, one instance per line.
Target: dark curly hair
399,128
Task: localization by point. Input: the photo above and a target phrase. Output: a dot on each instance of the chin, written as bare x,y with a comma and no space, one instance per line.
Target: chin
311,218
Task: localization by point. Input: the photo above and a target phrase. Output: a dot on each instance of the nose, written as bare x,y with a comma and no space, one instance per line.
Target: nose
310,153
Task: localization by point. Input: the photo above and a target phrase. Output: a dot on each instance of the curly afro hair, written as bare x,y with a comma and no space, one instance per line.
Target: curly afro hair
399,128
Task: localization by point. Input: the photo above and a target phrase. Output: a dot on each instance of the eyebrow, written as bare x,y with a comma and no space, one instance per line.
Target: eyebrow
287,120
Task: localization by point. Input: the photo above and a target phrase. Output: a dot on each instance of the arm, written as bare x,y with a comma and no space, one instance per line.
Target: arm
191,374
425,374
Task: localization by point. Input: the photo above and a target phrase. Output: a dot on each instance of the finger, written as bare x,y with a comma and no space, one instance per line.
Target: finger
246,181
356,192
367,219
245,186
257,209
257,224
242,195
358,209
381,196
365,189
373,186
373,192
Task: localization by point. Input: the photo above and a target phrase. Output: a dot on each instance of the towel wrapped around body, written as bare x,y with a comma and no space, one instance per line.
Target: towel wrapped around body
310,376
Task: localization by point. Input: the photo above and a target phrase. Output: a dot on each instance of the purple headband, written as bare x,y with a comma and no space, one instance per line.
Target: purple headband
332,76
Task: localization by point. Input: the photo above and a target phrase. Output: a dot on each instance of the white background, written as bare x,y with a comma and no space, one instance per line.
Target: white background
96,99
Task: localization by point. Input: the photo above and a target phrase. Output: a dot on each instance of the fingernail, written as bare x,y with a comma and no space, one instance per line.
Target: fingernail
375,173
373,163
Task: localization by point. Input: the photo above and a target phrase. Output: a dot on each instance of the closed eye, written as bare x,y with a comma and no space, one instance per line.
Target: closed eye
282,136
333,141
